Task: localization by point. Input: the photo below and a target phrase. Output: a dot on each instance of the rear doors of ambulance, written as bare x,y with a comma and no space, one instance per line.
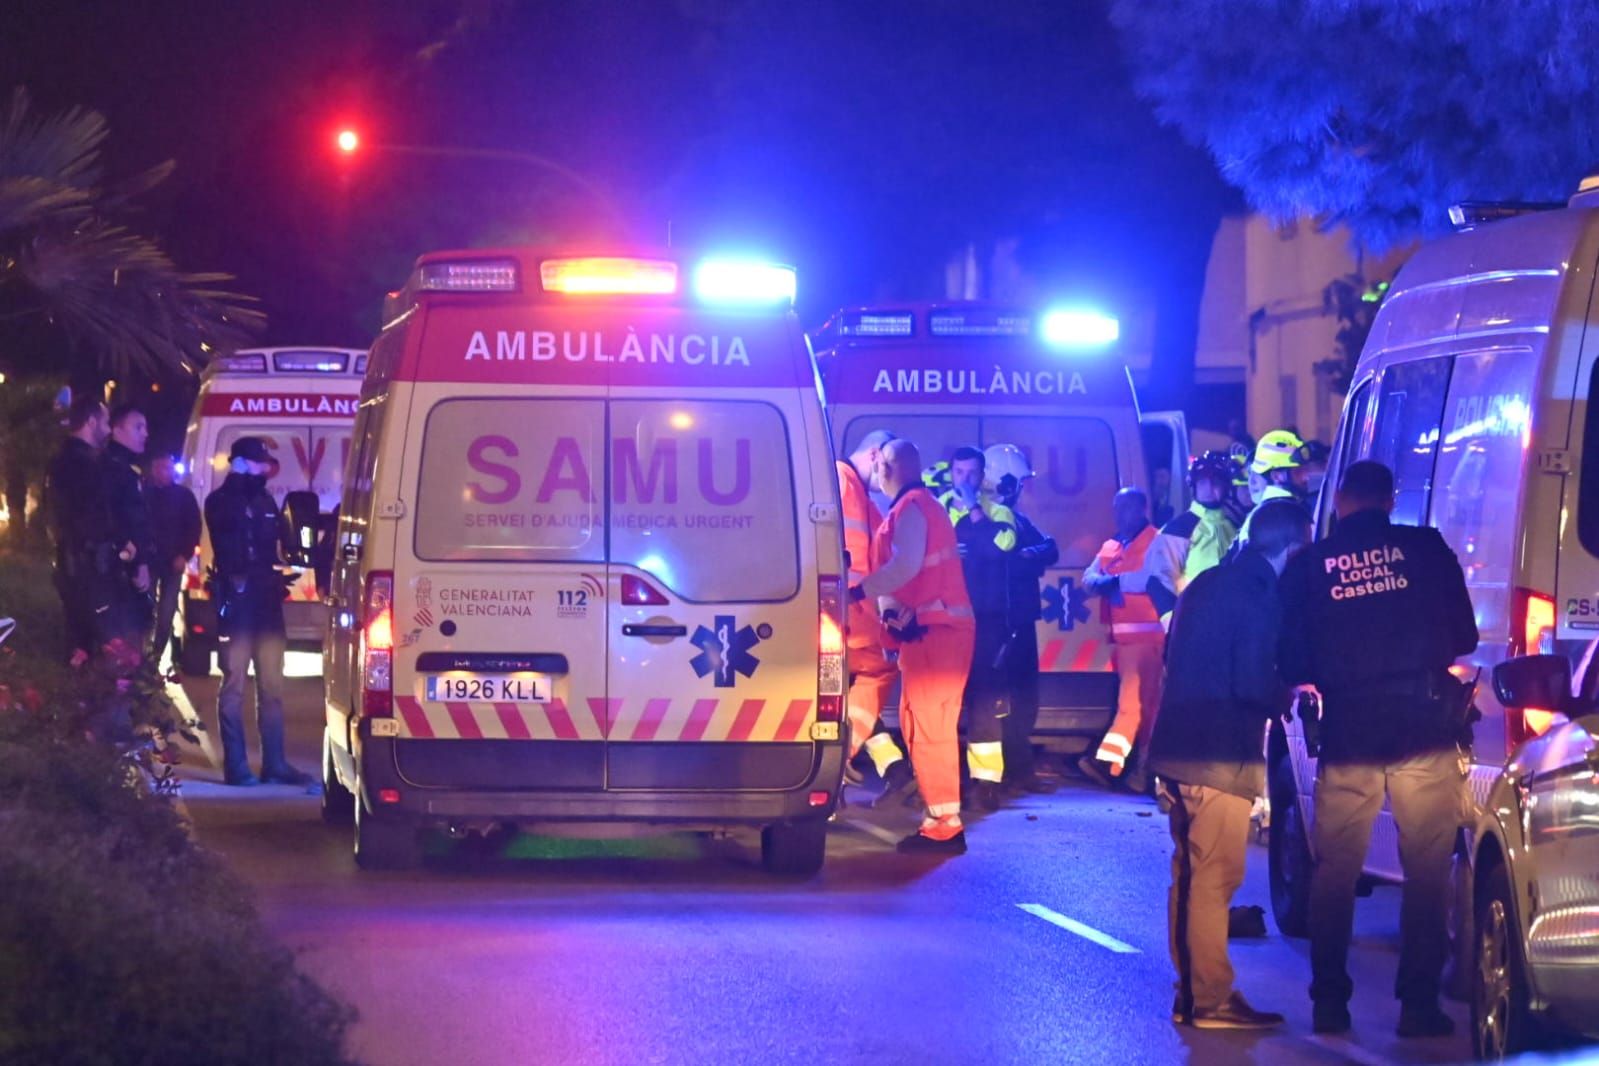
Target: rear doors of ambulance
608,580
948,376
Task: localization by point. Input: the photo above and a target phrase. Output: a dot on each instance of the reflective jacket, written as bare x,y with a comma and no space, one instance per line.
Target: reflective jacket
986,550
936,591
1127,608
860,520
1186,547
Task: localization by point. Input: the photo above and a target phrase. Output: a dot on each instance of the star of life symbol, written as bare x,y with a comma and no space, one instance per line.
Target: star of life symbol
1064,605
725,651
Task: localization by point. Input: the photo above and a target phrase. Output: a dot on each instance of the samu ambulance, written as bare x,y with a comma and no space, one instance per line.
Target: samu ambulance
589,562
1479,387
301,402
970,373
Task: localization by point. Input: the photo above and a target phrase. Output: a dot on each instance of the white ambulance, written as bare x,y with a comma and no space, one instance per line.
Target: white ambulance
970,373
1477,386
589,565
301,402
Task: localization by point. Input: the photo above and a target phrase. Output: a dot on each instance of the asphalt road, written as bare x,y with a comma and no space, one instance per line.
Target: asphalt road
1045,943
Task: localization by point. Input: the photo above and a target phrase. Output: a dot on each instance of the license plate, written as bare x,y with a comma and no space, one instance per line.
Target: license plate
487,688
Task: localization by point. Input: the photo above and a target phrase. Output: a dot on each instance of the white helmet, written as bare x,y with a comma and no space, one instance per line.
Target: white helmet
1001,461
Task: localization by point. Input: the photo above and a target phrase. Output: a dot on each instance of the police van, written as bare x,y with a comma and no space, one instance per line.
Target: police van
1476,387
589,563
301,402
972,373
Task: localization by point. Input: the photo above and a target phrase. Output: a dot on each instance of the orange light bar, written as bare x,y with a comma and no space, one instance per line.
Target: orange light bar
609,275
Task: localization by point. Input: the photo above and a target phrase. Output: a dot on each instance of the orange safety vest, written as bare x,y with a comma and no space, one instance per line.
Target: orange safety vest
1136,621
860,519
937,594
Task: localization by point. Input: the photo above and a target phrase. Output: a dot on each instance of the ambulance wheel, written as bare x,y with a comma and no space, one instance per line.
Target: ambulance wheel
194,657
385,843
794,849
338,804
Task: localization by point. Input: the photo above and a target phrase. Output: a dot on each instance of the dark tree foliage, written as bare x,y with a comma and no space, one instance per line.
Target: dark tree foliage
1377,114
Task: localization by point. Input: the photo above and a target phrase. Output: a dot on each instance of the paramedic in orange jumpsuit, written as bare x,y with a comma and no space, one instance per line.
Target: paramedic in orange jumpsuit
920,591
1119,575
871,672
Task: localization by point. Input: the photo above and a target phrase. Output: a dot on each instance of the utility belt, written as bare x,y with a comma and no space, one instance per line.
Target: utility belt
1438,693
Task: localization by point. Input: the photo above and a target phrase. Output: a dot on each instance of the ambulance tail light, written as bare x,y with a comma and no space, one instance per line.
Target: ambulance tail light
377,645
740,281
831,678
468,275
1532,632
609,276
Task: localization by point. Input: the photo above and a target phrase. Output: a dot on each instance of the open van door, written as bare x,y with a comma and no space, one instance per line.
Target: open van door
1165,436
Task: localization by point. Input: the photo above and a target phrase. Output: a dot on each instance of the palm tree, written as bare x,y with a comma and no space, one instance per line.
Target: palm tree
81,293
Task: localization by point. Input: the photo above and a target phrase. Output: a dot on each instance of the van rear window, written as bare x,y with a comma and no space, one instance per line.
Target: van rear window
1074,458
697,493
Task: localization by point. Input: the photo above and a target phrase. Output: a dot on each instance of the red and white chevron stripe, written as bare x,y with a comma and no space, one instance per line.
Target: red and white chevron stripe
659,718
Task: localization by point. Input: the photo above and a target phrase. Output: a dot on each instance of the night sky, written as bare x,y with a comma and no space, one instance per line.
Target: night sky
865,142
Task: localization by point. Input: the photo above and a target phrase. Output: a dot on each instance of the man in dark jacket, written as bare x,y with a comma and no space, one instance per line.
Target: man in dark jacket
1006,472
1375,614
86,557
1222,687
175,529
130,520
246,533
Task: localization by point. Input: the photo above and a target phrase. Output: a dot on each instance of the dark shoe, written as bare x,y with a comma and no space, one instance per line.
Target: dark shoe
1235,1014
1424,1021
922,844
1092,769
985,796
1330,1019
242,780
1246,923
853,777
899,782
285,775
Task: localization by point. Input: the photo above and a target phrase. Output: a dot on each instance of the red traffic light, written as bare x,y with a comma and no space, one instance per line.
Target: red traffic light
348,141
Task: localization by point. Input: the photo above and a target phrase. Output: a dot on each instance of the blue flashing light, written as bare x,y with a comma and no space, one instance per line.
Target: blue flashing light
1073,328
743,281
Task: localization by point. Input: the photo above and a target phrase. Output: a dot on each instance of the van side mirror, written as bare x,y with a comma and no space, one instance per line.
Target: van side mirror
1534,681
301,514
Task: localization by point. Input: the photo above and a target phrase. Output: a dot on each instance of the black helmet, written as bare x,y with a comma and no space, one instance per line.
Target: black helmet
1212,466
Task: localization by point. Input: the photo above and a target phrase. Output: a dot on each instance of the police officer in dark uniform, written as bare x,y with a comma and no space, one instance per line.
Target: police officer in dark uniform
247,531
86,557
1374,615
130,520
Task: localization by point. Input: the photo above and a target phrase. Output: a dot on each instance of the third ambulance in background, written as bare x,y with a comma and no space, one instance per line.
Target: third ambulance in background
301,402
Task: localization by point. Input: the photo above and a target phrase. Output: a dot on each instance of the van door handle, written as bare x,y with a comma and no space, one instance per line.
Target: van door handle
652,630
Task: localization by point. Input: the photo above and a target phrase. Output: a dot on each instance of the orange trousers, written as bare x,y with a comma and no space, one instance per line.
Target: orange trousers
1140,667
933,677
871,676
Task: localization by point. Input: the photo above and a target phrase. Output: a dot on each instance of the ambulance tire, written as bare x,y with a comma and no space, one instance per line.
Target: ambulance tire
194,657
385,843
794,849
338,804
1288,847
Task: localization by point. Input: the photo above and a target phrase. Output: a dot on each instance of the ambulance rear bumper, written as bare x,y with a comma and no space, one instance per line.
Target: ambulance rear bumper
748,805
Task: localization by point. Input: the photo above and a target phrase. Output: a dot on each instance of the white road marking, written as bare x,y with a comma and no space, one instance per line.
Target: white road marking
1072,925
1347,1051
885,835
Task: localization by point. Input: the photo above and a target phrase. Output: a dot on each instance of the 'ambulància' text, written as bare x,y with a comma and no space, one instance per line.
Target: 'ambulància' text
542,346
